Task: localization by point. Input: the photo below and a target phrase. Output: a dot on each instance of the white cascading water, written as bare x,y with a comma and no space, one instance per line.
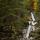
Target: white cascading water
29,30
32,16
31,27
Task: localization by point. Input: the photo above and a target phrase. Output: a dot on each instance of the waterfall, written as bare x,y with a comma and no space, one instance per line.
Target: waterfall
31,27
29,30
32,16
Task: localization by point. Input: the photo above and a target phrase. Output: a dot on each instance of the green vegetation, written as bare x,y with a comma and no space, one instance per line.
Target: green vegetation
14,17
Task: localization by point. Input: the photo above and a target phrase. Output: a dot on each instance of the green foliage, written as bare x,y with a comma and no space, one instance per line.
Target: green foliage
15,15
